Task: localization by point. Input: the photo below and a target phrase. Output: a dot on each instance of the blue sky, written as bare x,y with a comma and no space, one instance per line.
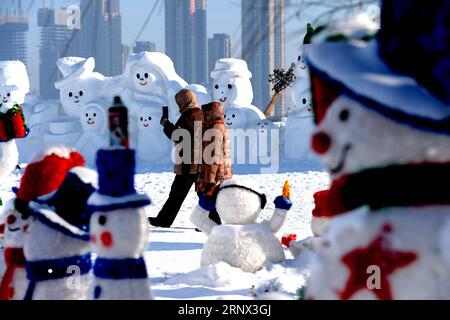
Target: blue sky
223,16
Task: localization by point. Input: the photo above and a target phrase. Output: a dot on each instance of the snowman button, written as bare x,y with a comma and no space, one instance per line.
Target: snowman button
97,292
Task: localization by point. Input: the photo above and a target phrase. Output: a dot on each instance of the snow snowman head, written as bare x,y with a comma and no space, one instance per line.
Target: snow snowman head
119,234
14,82
235,118
352,138
152,73
16,226
145,80
93,117
239,202
231,84
301,70
148,119
264,126
80,84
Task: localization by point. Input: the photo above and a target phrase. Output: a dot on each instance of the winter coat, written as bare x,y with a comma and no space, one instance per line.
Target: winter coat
219,168
190,114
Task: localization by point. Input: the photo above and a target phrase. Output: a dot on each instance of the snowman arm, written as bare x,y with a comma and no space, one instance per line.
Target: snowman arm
282,207
200,219
277,220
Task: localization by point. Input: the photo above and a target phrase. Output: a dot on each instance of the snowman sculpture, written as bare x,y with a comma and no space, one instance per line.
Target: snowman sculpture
94,121
149,78
79,86
57,245
231,87
14,85
119,230
14,281
241,241
383,134
152,146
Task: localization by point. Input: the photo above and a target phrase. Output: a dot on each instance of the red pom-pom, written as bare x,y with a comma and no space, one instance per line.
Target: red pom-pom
321,200
287,239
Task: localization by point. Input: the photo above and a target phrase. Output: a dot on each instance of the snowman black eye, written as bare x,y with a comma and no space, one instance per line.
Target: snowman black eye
150,118
344,115
230,86
138,76
102,220
70,94
299,58
81,93
87,115
216,86
146,76
304,101
142,119
234,116
8,94
95,115
224,116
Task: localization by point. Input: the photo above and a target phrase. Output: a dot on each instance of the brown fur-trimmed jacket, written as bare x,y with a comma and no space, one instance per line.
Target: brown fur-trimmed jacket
216,165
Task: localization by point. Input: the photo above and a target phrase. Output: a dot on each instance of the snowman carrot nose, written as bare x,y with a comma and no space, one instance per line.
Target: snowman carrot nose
321,143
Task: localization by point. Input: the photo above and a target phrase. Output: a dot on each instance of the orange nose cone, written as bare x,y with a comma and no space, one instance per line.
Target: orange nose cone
321,143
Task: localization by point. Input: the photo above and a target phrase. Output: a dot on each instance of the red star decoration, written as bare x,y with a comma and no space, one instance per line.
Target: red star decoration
378,254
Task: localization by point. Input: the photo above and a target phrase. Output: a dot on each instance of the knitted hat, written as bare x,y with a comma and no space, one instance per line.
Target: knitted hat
45,173
65,209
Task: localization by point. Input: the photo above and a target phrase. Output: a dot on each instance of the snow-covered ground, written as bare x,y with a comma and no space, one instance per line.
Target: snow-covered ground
173,256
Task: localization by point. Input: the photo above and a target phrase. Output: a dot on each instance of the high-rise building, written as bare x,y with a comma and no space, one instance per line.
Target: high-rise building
263,47
142,46
101,35
56,41
186,39
219,46
13,29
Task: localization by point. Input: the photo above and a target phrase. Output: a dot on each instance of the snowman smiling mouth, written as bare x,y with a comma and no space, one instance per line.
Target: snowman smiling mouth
90,122
223,99
143,83
146,125
338,168
13,230
76,101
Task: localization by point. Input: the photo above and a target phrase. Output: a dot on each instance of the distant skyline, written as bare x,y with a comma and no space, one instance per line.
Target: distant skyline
223,16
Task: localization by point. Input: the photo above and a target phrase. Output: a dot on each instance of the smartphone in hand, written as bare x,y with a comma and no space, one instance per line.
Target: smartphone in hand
165,111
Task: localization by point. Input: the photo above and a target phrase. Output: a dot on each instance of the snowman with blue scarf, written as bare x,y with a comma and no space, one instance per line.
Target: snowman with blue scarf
57,244
119,230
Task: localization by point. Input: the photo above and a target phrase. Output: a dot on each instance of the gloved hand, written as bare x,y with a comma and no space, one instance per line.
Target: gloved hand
283,203
163,121
210,189
206,203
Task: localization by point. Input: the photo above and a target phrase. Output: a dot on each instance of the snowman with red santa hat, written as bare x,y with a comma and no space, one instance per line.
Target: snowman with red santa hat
57,250
119,229
382,110
44,174
14,85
